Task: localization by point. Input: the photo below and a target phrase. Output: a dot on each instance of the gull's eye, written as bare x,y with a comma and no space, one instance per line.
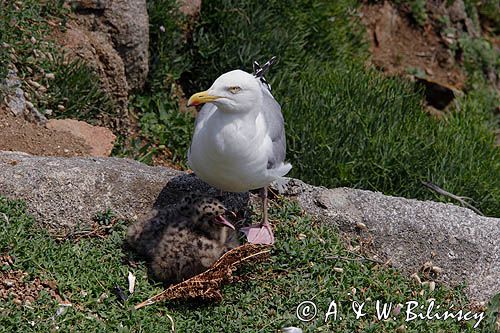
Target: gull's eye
234,89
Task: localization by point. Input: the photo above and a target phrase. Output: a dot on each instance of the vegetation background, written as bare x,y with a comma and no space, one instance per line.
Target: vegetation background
347,124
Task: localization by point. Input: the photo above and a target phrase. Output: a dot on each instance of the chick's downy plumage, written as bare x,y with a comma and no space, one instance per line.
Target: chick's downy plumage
185,241
191,245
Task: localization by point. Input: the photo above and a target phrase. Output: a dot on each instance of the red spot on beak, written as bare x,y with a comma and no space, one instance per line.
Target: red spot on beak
222,220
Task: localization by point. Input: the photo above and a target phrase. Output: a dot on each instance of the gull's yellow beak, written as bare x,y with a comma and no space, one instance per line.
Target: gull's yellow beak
200,98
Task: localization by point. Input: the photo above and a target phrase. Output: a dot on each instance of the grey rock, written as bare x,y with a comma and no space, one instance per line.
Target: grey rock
15,100
35,116
63,193
66,193
457,11
409,233
127,24
129,18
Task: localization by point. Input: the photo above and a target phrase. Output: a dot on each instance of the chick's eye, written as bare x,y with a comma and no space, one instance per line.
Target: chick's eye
234,89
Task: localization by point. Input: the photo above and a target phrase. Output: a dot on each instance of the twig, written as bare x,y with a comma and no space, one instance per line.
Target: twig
460,199
171,321
6,218
79,234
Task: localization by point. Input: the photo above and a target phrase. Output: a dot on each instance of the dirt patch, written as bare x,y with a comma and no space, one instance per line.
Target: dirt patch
16,285
18,134
399,47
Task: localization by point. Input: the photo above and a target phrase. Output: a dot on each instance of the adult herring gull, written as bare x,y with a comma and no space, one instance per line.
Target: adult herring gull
239,139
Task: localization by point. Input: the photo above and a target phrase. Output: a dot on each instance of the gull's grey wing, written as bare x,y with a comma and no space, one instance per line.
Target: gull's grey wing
276,125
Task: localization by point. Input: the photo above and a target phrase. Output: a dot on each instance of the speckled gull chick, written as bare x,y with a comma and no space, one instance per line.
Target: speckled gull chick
239,139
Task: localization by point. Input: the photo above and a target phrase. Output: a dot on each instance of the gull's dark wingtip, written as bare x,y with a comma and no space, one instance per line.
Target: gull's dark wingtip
259,71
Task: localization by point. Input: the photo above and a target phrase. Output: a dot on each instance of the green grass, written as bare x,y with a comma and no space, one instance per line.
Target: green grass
163,129
24,28
348,125
301,268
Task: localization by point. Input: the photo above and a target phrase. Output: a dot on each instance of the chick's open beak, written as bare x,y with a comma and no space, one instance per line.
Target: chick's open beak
220,219
200,98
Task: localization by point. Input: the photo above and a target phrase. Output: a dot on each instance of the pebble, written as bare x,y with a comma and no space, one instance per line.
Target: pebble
50,76
34,84
8,283
401,329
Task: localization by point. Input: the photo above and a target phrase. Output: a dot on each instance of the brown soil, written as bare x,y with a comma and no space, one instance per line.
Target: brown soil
17,285
398,45
18,134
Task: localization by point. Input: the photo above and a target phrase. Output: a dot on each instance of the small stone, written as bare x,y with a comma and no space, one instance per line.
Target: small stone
291,329
415,277
338,269
397,309
437,269
33,40
48,112
34,84
61,107
401,329
50,76
102,297
432,286
361,226
457,11
9,283
17,301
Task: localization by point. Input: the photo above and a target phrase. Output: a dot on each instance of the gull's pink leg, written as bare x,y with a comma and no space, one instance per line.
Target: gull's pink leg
260,233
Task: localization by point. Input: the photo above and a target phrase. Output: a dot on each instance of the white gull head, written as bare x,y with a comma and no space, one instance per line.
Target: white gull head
234,91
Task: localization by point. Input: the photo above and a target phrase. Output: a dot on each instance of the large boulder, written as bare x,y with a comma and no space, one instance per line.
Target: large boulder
126,24
111,37
63,193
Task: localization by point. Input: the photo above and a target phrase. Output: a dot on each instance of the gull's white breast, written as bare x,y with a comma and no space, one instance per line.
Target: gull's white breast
230,151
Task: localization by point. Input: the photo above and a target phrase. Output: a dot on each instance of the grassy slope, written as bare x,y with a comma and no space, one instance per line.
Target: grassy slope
346,125
299,270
